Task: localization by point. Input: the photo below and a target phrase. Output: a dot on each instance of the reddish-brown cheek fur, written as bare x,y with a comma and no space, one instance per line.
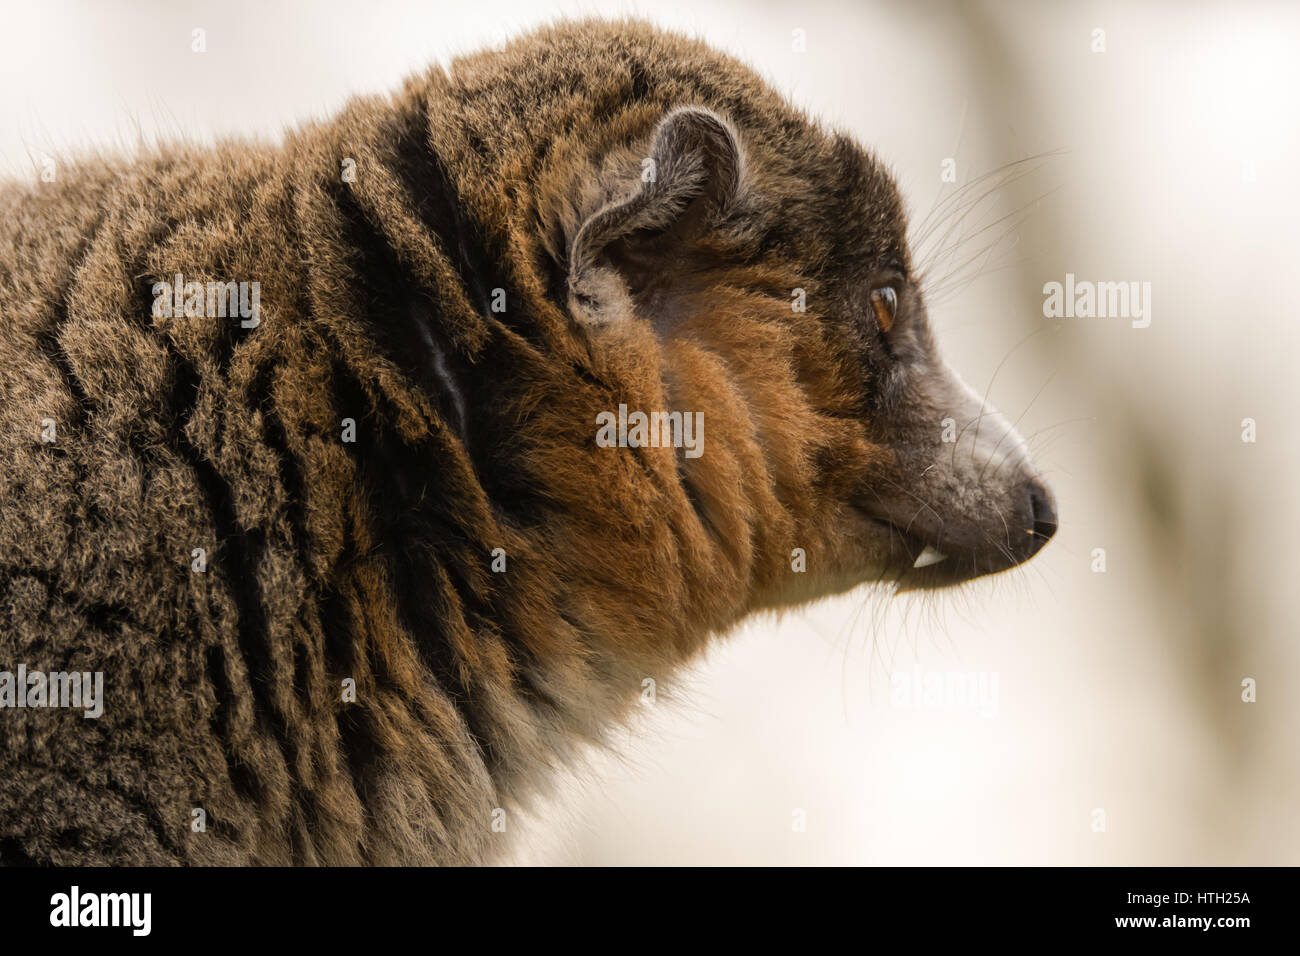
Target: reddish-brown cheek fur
783,454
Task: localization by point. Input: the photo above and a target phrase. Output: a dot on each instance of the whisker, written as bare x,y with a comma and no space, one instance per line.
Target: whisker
1011,431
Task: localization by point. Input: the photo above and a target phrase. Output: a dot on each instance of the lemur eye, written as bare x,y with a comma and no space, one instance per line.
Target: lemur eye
884,301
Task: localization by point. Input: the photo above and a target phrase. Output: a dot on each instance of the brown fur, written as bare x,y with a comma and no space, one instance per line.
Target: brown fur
372,560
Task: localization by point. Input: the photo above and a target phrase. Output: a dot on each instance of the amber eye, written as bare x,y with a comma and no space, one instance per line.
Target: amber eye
885,303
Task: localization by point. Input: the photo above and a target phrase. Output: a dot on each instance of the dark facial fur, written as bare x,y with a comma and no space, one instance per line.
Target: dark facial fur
514,179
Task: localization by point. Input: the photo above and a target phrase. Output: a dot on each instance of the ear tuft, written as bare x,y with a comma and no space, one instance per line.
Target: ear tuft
689,180
696,148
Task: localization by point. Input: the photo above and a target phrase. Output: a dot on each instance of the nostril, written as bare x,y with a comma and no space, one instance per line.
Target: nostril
1044,512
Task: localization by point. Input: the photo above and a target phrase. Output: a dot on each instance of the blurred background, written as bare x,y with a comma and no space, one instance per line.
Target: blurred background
1162,149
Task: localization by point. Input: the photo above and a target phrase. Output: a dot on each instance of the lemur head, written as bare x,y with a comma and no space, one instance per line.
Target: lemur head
715,253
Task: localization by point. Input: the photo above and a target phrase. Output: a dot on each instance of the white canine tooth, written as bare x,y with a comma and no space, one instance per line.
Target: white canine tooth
928,557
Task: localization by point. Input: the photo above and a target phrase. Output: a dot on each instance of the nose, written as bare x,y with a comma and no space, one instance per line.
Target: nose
1043,511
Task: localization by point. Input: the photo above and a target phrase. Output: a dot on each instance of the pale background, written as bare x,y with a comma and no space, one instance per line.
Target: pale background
1170,158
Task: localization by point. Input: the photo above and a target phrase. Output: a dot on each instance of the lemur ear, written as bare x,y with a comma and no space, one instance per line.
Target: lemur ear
632,244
